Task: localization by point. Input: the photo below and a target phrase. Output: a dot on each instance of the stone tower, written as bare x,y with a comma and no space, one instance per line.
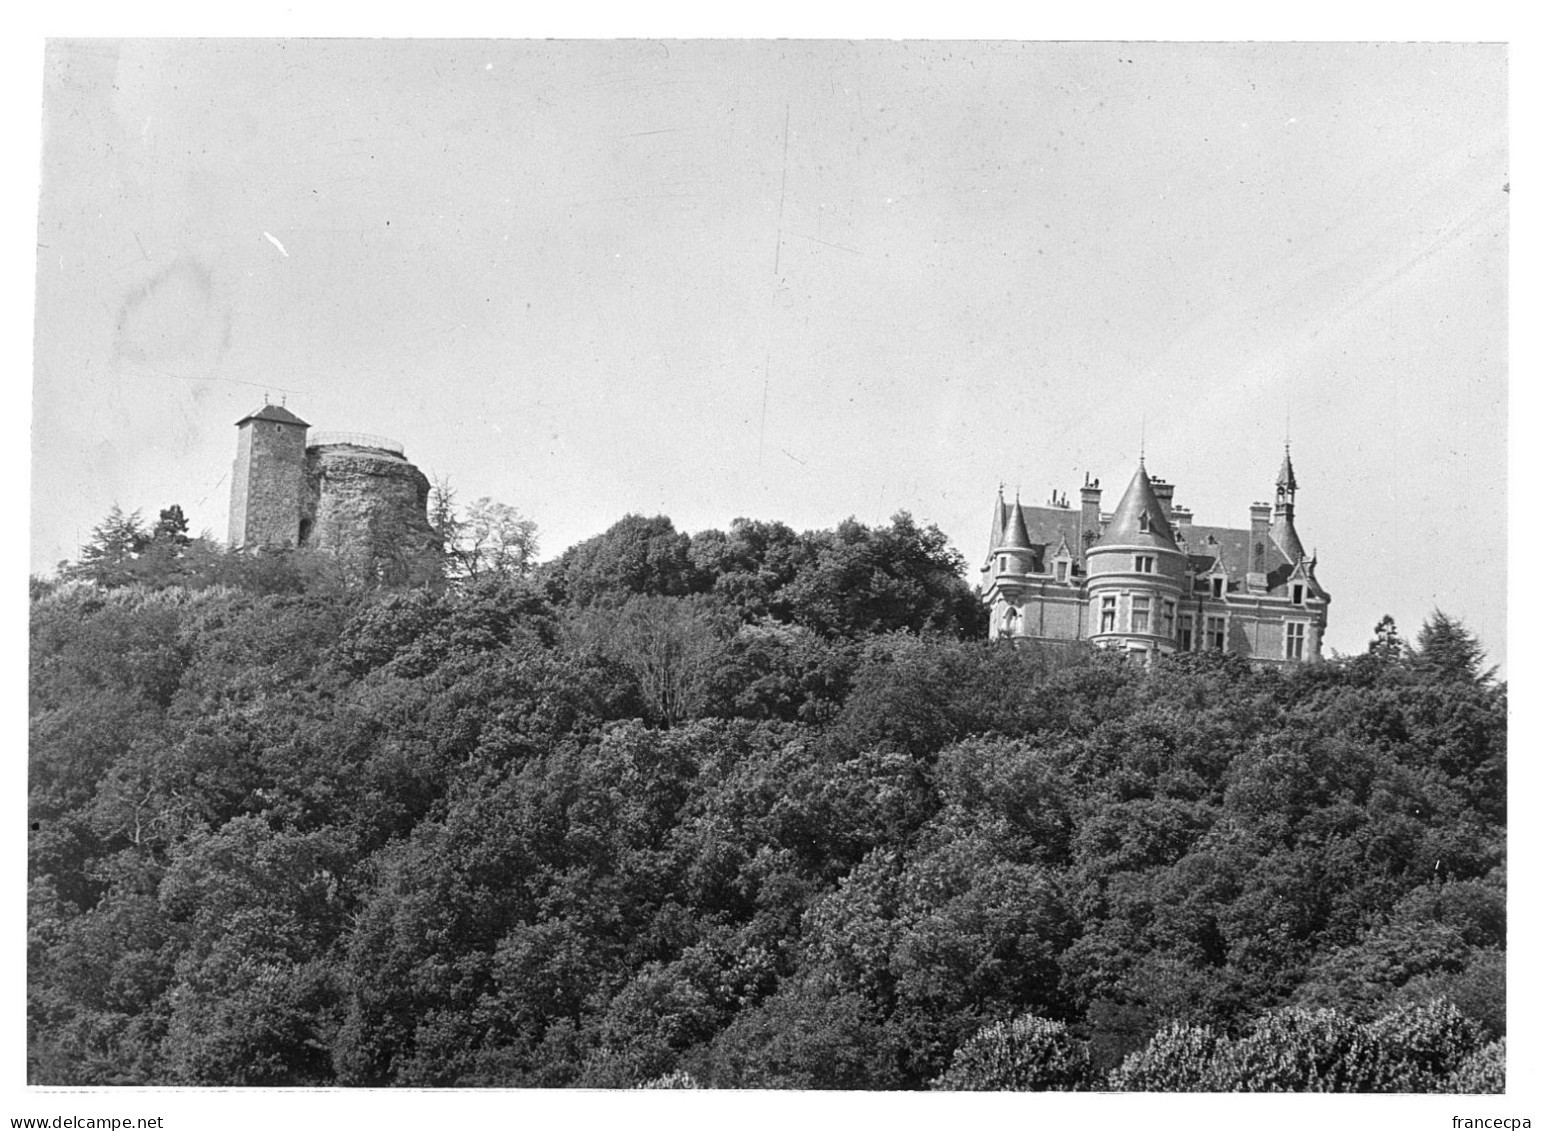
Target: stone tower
349,494
364,498
268,480
1136,574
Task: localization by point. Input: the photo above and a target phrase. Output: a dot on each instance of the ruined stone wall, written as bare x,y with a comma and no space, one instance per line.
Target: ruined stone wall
367,503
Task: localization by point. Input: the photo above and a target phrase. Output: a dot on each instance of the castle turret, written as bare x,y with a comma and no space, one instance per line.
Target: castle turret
268,479
365,499
1284,529
1135,574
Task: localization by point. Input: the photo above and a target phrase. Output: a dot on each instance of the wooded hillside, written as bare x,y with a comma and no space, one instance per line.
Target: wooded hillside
741,809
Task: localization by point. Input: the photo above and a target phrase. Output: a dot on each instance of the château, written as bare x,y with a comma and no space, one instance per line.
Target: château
1148,580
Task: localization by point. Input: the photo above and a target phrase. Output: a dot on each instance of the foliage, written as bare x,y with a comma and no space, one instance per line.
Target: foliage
488,538
742,809
1027,1054
1413,1048
1482,1072
1177,1059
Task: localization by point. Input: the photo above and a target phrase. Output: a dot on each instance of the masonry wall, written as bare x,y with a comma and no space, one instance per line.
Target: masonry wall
365,502
267,484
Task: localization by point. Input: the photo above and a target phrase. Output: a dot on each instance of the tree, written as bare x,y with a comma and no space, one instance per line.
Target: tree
1447,651
1481,1073
1387,646
636,557
171,527
494,538
674,648
1026,1054
900,577
116,543
801,1037
1176,1059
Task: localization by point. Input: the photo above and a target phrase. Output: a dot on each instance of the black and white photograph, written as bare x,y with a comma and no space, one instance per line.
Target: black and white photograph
817,566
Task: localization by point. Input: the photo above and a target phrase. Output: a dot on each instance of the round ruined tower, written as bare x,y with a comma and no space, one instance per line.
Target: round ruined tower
364,498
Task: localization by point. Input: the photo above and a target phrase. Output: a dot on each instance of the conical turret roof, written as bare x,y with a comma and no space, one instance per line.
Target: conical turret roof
998,520
1015,536
1138,520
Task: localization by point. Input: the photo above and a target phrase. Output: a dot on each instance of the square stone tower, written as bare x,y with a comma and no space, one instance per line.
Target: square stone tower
267,483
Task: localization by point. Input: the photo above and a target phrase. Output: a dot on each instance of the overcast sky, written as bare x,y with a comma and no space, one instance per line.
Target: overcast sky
796,281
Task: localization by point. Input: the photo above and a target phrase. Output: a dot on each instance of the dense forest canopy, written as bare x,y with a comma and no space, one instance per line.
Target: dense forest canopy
750,808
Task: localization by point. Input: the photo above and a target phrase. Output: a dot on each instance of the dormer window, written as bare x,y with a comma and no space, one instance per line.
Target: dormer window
1298,594
1062,568
1144,563
1217,587
1145,522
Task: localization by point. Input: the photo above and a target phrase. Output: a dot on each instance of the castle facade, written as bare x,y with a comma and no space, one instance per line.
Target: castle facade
1147,580
345,492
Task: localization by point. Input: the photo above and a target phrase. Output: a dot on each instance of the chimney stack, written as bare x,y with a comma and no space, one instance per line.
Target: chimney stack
1092,515
1163,490
1258,528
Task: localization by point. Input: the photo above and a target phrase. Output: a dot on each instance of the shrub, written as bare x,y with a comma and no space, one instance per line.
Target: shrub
1298,1050
1423,1045
1177,1059
1027,1054
1482,1072
675,1079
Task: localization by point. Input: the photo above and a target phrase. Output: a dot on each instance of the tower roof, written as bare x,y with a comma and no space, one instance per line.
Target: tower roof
1286,480
1138,520
1283,533
998,520
1015,536
273,412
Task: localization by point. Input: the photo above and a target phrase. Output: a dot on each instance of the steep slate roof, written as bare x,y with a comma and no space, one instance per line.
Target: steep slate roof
1015,537
998,522
1287,475
1235,548
1283,535
273,412
1044,528
1124,529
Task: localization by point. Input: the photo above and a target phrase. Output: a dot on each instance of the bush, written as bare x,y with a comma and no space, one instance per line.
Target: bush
1298,1050
1027,1054
1423,1045
675,1079
1177,1059
1482,1072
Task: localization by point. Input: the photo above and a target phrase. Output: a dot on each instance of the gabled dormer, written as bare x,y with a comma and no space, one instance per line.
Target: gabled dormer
1215,582
1062,563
